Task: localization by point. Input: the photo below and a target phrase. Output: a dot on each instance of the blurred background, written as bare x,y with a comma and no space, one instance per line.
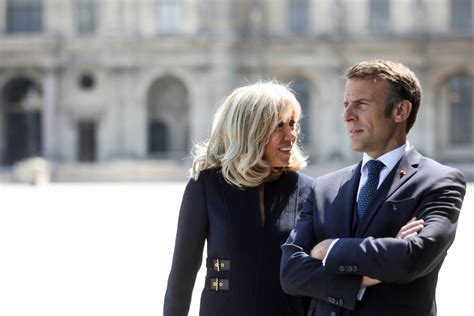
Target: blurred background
102,100
119,90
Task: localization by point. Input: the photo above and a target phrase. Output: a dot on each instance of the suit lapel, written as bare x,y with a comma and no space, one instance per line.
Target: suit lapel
403,171
346,202
407,167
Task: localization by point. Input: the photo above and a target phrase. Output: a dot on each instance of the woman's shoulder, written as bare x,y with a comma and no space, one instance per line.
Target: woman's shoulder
208,175
303,179
298,178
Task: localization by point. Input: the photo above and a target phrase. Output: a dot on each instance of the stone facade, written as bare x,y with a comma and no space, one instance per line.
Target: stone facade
138,80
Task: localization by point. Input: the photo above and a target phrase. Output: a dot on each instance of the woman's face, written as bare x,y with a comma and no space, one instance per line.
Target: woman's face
278,148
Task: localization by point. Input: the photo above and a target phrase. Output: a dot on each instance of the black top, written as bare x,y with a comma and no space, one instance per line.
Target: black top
229,219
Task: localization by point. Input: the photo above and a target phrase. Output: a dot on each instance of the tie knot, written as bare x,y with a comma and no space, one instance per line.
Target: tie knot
374,166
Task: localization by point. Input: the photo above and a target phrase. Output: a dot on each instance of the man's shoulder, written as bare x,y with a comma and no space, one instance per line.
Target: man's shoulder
437,169
305,179
344,172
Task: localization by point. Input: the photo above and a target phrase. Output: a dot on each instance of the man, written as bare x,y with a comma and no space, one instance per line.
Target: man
350,249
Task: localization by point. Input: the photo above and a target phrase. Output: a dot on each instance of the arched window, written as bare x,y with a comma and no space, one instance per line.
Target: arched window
168,122
21,106
455,117
24,16
461,111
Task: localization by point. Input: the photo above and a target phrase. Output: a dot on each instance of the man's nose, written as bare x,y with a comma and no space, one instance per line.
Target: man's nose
348,114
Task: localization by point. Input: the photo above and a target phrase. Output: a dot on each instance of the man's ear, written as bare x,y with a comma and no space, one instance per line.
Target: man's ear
402,111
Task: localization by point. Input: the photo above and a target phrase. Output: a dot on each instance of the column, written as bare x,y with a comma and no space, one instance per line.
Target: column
50,88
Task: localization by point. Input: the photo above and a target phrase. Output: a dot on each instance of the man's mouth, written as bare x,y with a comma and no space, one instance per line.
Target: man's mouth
355,131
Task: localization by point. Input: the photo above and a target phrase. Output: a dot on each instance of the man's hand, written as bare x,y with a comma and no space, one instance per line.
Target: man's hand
366,281
411,229
320,250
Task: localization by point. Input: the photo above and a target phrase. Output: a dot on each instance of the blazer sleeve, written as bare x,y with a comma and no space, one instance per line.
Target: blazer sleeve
402,261
301,274
189,244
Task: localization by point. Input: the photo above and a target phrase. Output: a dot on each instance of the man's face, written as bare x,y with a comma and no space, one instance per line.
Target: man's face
370,131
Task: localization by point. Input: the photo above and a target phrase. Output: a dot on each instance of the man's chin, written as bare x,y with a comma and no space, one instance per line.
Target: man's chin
356,147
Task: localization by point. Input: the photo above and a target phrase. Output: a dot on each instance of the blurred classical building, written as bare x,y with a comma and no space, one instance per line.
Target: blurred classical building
88,83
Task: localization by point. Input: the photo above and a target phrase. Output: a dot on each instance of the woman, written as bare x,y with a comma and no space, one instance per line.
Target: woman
243,199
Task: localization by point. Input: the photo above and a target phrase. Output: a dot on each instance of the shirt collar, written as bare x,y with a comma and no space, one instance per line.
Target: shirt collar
391,158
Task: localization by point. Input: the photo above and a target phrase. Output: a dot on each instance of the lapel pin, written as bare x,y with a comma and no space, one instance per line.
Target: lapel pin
402,172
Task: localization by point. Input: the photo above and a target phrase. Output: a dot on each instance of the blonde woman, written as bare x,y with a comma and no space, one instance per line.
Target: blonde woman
243,199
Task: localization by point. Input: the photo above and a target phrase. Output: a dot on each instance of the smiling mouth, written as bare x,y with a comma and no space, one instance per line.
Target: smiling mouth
285,150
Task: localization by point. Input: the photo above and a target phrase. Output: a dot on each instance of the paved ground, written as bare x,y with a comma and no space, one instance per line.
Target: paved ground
105,249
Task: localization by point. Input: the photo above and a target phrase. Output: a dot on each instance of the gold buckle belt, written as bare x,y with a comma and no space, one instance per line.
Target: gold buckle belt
217,284
218,264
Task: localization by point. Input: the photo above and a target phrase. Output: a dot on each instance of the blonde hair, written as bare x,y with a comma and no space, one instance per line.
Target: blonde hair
240,131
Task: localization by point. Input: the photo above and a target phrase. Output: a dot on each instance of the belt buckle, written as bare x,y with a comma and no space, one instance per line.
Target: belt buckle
217,265
216,284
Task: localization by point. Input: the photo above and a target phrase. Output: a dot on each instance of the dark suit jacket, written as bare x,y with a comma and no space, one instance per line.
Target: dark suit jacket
228,218
408,269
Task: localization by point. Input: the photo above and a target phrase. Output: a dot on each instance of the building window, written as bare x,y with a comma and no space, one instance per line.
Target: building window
157,137
461,112
461,14
169,16
21,107
298,16
87,141
167,105
379,16
301,87
86,16
24,16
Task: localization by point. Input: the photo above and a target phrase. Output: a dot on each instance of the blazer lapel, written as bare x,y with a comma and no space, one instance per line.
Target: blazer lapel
407,167
403,171
346,201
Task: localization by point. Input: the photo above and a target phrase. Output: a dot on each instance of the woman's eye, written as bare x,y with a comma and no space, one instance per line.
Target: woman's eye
279,125
292,123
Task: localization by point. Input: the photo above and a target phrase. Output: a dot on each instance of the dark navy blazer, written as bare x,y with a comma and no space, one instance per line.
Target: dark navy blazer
408,269
228,218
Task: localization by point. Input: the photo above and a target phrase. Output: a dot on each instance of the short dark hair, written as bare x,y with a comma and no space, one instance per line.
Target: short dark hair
403,82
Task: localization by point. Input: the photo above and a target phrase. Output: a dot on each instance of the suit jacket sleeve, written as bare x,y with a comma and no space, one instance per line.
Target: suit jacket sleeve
190,237
402,261
301,274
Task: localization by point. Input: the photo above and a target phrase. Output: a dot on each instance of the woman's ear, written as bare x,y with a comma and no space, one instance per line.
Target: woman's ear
402,111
